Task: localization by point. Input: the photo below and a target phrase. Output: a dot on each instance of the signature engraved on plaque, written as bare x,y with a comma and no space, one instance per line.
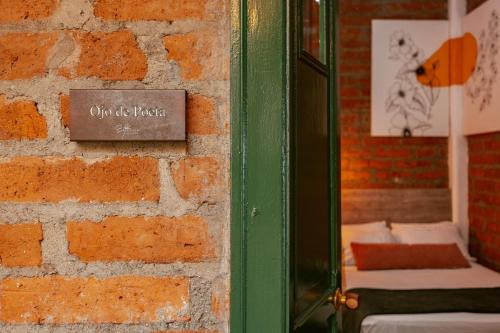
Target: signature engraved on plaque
126,129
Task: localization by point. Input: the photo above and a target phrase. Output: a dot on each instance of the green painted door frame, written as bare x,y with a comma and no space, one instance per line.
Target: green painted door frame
259,125
261,88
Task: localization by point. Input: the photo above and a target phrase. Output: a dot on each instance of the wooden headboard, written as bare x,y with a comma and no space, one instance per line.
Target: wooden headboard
396,205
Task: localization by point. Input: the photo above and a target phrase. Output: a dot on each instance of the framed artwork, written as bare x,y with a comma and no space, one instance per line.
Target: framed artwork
408,97
482,90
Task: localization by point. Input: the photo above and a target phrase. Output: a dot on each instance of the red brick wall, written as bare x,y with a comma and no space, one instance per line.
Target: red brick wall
484,198
484,192
369,162
113,236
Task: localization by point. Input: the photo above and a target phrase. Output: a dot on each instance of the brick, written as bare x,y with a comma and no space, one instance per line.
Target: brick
348,20
355,103
64,109
201,117
485,158
21,120
439,174
355,68
380,165
23,55
476,172
485,186
65,72
192,52
492,173
493,145
352,176
220,299
34,179
494,228
392,152
405,164
22,10
195,176
70,300
492,254
366,8
354,92
110,56
154,10
426,152
359,55
20,245
149,239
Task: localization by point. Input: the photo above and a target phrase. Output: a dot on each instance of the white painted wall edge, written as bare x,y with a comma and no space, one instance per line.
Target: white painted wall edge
458,156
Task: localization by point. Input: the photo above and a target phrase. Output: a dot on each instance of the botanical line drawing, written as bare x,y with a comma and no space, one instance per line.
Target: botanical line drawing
479,88
410,101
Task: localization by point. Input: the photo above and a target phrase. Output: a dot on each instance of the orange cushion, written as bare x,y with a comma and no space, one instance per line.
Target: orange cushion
408,256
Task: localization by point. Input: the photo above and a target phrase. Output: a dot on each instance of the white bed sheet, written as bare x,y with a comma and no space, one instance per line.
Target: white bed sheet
475,277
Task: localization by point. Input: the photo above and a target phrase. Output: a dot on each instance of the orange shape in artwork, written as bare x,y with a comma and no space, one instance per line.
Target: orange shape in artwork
452,64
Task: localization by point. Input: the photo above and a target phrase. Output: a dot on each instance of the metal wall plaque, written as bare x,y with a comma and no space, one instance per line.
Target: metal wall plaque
127,115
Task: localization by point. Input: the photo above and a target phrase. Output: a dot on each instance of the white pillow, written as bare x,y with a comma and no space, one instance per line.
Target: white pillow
430,233
374,232
364,226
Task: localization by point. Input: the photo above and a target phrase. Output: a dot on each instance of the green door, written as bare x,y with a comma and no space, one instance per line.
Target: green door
285,253
314,191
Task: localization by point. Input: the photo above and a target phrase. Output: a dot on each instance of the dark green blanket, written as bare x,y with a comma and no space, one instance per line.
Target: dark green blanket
381,301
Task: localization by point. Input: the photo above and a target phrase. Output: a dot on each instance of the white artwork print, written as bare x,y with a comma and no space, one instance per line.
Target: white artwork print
482,91
401,105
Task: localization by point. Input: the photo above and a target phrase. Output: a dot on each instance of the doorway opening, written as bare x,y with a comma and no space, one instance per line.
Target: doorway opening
402,239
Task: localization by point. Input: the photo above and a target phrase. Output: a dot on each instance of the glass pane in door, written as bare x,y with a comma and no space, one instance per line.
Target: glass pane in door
311,36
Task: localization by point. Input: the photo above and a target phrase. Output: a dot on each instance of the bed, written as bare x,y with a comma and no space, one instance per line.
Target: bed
415,206
475,277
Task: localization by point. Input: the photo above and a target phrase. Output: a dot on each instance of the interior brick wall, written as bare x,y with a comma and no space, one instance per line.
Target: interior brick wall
113,237
484,198
484,192
370,162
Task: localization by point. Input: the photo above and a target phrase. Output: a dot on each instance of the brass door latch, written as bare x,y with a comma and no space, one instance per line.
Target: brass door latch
350,300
